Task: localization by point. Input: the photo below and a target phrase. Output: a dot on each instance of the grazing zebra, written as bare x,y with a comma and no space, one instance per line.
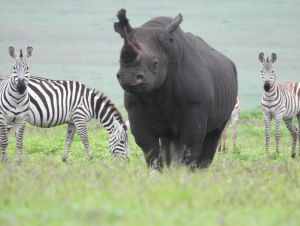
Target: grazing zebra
14,105
234,119
279,101
56,102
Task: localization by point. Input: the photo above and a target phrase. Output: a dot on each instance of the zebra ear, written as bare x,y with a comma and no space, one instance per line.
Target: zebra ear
261,57
273,57
29,51
12,52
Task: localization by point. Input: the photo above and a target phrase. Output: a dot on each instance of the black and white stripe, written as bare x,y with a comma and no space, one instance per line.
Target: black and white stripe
14,101
279,101
56,102
234,119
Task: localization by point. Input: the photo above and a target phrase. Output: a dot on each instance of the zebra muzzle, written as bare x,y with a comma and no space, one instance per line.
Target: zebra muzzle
21,87
267,86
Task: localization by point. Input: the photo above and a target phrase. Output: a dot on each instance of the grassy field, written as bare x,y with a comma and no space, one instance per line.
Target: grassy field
247,187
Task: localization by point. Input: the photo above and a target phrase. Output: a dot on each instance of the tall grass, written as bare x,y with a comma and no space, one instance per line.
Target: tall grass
246,187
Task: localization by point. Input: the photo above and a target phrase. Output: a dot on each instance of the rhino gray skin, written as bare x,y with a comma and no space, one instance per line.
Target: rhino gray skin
179,91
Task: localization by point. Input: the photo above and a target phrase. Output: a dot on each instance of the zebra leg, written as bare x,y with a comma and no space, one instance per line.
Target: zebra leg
234,132
69,139
277,132
294,133
224,139
220,144
3,141
19,140
267,120
81,128
298,116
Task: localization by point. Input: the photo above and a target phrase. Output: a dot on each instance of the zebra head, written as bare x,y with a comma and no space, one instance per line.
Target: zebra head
267,72
20,71
118,140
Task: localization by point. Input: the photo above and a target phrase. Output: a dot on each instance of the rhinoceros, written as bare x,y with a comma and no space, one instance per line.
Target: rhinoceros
179,91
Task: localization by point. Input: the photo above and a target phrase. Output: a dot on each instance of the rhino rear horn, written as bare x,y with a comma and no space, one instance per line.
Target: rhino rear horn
174,24
129,53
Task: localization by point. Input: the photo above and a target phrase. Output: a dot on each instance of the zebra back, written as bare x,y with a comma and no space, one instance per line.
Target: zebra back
53,102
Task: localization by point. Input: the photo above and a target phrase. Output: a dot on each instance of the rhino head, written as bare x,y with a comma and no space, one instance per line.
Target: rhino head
145,55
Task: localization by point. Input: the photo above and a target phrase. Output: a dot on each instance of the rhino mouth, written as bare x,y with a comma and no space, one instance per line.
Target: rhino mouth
134,86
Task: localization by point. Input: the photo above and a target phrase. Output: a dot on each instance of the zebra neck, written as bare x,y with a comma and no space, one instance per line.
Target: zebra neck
107,114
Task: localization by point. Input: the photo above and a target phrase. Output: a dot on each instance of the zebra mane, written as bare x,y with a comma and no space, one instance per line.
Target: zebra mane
112,105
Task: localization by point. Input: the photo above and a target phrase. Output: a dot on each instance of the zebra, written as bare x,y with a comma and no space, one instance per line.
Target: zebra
57,102
279,101
234,119
14,105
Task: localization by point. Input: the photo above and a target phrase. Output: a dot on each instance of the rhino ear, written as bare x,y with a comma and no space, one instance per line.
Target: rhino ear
273,57
174,24
261,57
12,52
122,27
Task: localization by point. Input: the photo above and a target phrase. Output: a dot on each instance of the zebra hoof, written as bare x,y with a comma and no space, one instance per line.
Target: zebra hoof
293,155
4,159
64,159
91,158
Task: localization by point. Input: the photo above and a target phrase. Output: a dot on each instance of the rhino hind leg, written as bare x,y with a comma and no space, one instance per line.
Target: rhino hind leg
209,147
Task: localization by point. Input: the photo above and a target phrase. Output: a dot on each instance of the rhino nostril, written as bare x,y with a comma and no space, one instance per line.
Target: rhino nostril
118,76
140,77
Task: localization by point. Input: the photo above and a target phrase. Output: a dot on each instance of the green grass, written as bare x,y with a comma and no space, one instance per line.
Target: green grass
246,187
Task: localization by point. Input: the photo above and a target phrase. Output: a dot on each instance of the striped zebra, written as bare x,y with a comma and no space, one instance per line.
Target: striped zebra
234,119
57,102
279,101
14,105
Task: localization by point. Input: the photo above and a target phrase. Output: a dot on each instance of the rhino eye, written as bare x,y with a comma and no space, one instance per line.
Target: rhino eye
155,64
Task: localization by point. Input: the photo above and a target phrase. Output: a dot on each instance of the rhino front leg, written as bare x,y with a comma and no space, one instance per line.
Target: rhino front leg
192,137
145,139
209,147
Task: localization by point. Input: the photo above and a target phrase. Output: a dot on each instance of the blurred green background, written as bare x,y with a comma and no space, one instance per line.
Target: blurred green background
75,39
